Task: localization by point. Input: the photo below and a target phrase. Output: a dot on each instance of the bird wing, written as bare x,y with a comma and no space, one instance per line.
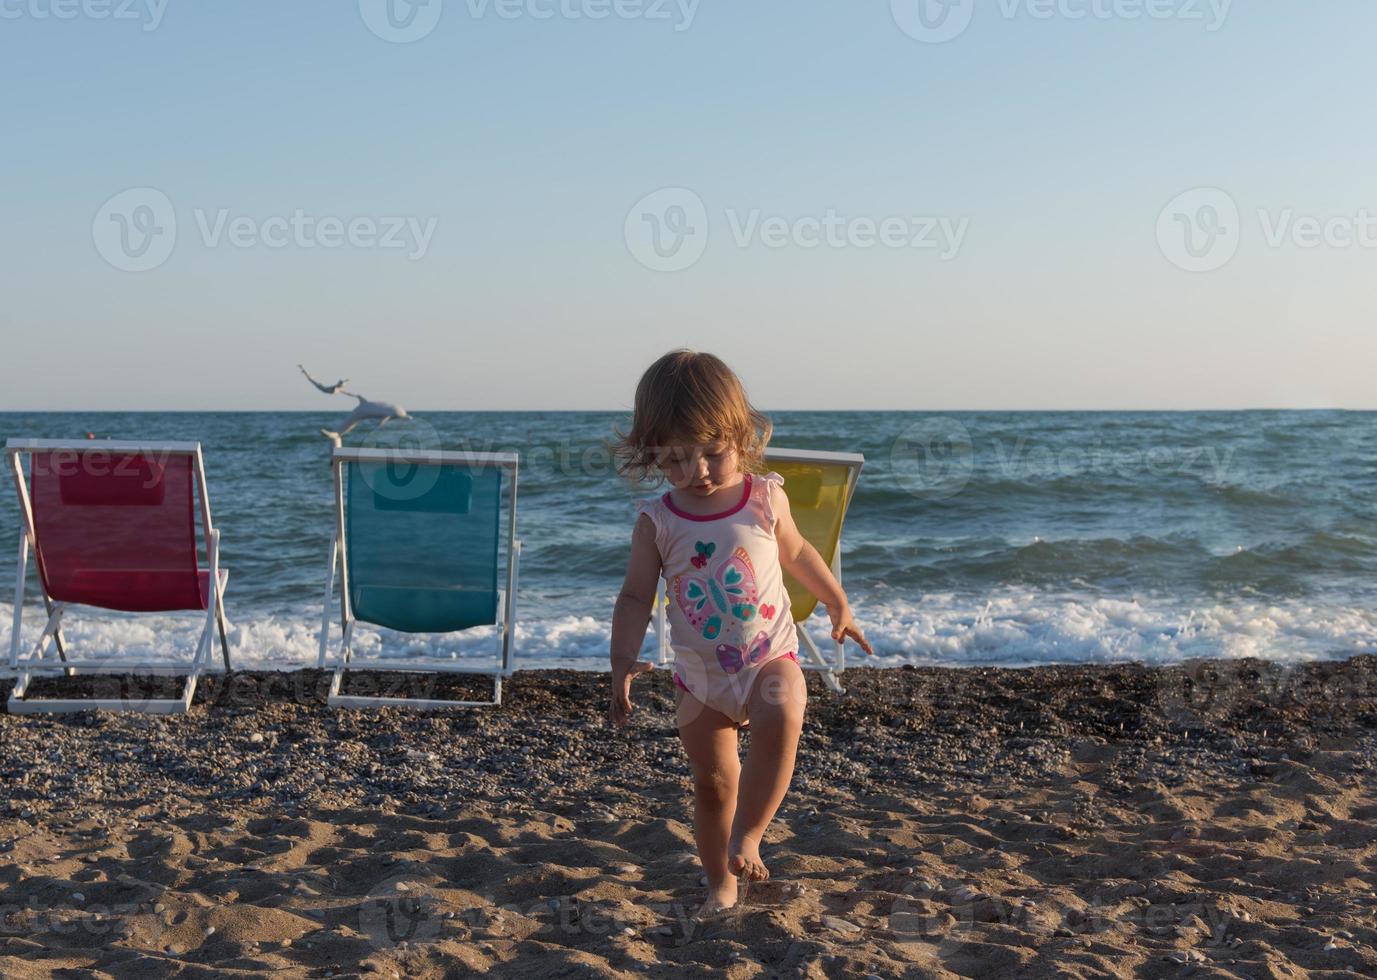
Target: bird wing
324,388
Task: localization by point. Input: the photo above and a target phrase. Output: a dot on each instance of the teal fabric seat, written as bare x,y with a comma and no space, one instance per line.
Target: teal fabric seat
413,609
423,543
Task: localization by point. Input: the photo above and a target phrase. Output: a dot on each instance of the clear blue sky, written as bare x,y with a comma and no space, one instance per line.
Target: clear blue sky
527,141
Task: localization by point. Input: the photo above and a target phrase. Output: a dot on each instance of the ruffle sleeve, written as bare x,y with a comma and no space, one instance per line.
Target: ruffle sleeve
768,482
653,508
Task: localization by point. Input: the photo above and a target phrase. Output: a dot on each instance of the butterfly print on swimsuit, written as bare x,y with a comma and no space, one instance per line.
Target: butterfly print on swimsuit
728,590
732,659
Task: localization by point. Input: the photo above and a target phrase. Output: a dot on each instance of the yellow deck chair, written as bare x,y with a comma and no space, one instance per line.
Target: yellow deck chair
819,485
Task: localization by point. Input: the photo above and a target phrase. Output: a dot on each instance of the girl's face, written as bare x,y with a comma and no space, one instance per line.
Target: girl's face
701,468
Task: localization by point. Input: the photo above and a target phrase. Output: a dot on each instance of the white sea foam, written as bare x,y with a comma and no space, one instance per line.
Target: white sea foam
1021,628
1012,628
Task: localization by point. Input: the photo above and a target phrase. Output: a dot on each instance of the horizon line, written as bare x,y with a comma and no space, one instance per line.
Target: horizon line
613,411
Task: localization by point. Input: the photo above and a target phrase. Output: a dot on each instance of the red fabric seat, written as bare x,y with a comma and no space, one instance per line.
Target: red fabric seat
117,530
133,589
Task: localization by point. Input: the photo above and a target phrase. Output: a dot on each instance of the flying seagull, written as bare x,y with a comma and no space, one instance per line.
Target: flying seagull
366,409
333,389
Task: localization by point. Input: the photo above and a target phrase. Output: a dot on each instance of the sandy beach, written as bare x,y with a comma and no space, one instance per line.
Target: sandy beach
1212,819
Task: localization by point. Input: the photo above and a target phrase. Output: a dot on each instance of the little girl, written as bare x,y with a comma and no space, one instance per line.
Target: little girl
721,538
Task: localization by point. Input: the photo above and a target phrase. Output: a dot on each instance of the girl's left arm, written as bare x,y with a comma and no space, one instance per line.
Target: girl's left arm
801,560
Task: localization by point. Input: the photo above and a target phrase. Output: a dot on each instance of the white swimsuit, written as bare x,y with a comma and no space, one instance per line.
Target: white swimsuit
728,608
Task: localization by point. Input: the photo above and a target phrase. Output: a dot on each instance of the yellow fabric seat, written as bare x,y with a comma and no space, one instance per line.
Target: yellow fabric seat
819,493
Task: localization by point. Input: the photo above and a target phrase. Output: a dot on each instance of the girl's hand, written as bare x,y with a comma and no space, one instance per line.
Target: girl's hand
843,626
620,708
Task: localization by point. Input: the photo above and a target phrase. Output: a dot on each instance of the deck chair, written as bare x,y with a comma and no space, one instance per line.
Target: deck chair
819,486
418,546
112,525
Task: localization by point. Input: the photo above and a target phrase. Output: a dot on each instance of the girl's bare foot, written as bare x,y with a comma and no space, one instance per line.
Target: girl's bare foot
743,859
720,898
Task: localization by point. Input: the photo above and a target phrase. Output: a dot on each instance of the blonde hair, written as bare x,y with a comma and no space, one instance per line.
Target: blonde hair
687,397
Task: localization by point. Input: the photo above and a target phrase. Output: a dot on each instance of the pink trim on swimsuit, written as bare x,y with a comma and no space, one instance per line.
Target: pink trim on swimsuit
745,496
679,681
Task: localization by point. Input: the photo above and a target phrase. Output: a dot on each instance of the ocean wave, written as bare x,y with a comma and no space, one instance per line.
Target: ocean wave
1181,562
1021,627
1074,535
1008,627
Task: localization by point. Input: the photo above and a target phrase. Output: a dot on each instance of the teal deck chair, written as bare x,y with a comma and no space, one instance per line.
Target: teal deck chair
420,541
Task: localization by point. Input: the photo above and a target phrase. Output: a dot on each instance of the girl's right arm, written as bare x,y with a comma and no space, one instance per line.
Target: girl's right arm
631,617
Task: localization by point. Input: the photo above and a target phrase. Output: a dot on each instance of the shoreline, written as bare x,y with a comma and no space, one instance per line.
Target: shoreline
1117,820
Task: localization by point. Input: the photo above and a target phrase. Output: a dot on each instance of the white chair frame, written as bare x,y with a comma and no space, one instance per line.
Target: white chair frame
36,662
345,659
815,659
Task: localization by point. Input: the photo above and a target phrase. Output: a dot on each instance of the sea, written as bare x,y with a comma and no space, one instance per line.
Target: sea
983,538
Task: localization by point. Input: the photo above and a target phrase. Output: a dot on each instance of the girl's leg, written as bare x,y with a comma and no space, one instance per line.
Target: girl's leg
709,738
776,712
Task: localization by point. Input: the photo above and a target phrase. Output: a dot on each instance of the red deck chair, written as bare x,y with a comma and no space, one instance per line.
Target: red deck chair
113,525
